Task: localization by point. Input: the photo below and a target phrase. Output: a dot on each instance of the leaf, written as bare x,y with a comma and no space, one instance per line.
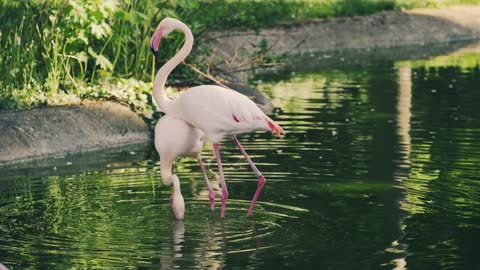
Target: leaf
141,17
97,30
82,37
92,52
81,57
110,5
104,63
78,12
107,29
169,13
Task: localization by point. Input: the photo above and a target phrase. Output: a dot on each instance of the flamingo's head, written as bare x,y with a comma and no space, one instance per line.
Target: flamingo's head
176,199
165,27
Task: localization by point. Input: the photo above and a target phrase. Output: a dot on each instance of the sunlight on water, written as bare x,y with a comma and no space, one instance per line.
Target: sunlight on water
378,170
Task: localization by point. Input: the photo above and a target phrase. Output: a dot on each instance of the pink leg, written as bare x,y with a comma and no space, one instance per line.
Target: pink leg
211,193
261,178
222,180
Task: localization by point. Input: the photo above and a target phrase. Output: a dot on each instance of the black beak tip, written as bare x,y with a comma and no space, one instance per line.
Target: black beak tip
154,52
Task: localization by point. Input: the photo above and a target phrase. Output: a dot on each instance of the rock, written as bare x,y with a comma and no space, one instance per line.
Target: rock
238,85
64,129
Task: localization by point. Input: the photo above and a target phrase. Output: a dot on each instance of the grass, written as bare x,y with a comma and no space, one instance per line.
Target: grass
59,51
254,14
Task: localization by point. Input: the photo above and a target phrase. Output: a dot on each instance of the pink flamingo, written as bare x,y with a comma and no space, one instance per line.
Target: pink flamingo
176,138
215,110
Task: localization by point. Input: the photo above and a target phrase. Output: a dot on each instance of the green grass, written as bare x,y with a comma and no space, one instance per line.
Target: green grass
251,13
58,51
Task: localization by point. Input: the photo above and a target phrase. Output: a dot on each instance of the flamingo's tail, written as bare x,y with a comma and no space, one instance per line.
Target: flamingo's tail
275,128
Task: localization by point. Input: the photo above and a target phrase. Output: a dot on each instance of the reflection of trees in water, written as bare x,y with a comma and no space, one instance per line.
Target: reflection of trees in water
425,137
352,127
442,195
403,163
430,154
112,220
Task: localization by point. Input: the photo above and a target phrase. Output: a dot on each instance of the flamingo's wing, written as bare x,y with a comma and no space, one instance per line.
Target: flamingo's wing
218,110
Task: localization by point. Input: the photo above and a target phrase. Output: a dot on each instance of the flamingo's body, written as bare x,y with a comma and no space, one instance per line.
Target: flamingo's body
175,138
220,112
215,110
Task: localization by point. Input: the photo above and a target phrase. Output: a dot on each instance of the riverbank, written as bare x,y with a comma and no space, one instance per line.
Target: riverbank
383,30
41,132
56,130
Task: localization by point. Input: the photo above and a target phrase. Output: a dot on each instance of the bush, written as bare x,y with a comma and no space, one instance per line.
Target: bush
54,49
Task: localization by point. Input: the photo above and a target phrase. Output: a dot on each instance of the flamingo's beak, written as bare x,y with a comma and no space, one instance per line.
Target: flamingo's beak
155,53
178,205
155,41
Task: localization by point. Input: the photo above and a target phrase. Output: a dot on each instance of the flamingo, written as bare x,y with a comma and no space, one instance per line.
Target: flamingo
217,111
175,138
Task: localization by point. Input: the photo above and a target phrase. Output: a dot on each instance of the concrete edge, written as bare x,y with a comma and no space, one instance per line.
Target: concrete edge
57,130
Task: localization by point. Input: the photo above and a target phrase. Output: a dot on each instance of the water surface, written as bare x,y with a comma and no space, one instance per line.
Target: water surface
379,170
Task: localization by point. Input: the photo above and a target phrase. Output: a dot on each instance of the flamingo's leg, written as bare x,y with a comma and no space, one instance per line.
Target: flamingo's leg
261,178
211,193
222,180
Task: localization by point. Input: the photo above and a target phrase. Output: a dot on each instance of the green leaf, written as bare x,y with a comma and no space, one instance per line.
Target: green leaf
81,57
97,30
104,63
92,52
110,5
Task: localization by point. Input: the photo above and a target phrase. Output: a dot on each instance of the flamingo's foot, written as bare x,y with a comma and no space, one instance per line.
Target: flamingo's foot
261,183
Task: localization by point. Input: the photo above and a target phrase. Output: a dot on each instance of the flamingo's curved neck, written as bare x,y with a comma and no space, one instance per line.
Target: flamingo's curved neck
159,94
176,184
166,170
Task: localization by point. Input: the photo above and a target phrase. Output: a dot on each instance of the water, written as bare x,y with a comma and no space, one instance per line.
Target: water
379,170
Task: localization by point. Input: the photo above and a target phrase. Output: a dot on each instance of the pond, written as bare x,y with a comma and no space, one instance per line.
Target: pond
378,170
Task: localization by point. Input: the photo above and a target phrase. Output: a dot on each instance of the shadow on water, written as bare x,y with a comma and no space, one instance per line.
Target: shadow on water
378,171
69,164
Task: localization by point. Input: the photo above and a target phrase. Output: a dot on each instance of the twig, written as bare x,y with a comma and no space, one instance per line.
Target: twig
208,76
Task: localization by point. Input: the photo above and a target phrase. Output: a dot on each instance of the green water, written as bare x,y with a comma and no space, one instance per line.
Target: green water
379,170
